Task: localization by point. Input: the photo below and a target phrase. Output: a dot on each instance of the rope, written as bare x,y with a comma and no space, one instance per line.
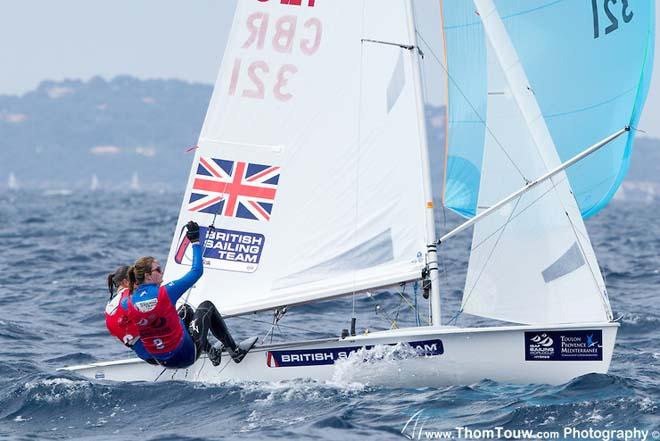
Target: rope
278,314
159,375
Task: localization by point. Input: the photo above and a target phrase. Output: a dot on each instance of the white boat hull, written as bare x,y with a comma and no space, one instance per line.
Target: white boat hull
551,354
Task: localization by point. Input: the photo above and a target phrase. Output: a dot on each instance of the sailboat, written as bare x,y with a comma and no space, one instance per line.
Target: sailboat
12,182
312,182
94,184
135,182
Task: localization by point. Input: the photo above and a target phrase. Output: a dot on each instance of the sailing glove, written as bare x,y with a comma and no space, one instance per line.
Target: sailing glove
193,231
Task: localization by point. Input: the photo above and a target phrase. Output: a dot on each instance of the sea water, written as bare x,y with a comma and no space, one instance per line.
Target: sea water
56,249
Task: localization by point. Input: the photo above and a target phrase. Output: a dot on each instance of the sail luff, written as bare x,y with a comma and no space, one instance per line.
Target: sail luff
431,252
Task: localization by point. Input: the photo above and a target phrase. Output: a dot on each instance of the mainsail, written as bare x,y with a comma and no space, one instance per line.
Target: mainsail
532,261
309,165
589,64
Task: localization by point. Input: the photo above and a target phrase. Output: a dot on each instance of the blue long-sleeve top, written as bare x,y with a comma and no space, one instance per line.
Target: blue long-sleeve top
176,288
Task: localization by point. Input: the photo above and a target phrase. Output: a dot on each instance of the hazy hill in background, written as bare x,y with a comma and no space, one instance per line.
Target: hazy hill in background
63,133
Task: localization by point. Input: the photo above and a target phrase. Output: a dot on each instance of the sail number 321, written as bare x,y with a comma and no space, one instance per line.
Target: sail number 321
613,11
286,35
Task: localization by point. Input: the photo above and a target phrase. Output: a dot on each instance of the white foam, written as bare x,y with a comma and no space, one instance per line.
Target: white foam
382,363
647,405
58,389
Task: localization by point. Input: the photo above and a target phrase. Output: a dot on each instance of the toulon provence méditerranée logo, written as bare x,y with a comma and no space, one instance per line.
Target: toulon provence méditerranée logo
227,250
234,189
579,345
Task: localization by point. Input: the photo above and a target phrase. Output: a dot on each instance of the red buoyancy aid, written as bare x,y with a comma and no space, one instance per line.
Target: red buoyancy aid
117,321
157,322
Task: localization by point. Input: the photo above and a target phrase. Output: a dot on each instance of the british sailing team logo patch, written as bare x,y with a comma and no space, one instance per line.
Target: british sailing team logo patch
583,345
234,189
227,250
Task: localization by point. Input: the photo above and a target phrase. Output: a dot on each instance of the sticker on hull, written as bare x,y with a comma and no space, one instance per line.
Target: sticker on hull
583,345
325,356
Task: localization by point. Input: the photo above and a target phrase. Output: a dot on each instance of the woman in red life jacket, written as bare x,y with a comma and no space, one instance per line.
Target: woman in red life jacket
151,307
116,314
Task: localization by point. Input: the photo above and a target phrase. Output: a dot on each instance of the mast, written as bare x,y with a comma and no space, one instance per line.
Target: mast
431,247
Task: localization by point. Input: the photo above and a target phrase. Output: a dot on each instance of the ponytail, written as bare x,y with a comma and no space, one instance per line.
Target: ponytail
111,286
137,272
115,279
131,279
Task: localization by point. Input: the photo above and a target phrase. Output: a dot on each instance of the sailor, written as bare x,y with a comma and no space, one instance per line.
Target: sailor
116,314
152,308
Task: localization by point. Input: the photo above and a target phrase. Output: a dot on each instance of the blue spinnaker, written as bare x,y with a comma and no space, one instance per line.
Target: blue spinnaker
465,54
589,64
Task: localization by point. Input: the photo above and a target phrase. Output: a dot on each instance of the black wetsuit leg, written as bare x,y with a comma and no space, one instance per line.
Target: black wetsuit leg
199,329
217,324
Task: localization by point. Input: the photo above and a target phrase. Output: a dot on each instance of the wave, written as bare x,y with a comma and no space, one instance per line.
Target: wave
634,323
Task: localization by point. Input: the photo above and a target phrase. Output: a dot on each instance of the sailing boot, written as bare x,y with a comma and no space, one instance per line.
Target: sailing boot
215,353
239,352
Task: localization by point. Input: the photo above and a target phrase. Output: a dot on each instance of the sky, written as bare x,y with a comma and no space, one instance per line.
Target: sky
78,39
143,38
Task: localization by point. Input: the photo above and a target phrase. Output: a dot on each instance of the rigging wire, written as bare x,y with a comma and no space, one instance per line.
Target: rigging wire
282,325
412,306
278,314
490,255
393,321
554,185
474,109
500,230
522,210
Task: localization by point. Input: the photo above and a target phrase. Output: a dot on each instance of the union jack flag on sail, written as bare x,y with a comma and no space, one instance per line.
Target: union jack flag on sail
234,189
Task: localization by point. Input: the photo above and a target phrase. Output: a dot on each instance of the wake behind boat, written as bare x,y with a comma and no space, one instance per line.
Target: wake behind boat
312,181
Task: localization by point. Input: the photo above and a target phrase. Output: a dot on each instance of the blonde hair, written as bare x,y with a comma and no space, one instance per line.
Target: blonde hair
136,273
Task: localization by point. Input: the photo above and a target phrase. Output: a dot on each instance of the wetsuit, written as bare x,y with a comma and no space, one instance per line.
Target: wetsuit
119,325
162,332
